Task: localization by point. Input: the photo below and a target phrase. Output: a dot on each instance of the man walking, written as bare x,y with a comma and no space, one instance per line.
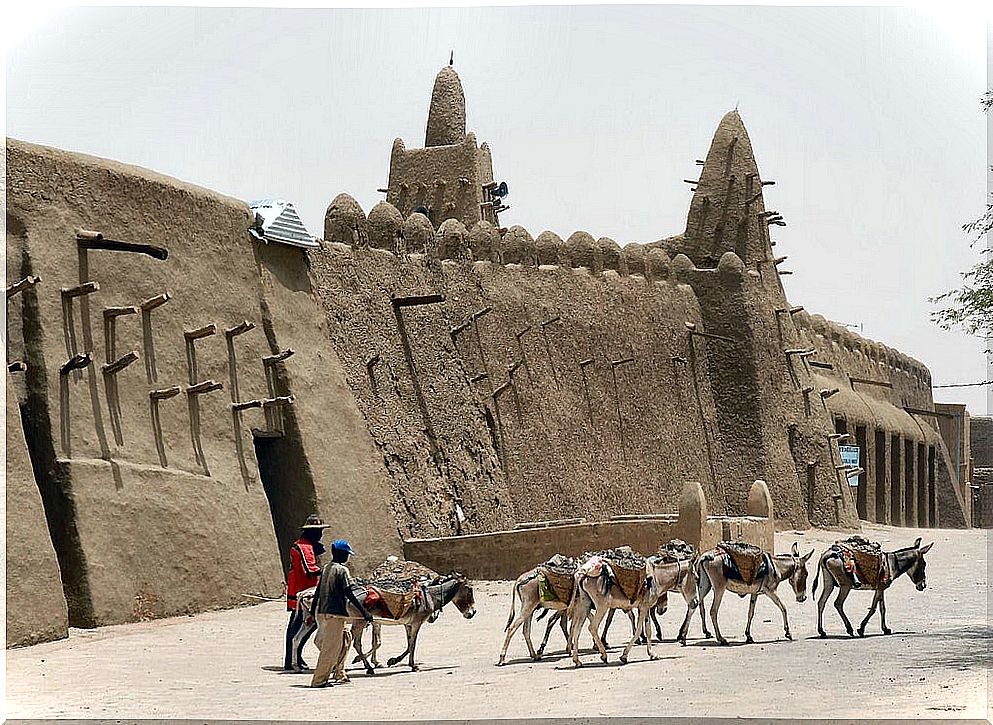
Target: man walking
305,571
330,608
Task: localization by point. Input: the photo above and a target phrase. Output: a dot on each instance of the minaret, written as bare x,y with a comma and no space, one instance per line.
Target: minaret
452,176
728,213
446,117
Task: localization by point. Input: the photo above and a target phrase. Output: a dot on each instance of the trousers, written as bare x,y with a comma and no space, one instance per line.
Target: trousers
334,642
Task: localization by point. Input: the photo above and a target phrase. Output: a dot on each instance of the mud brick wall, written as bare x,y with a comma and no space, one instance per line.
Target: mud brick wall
771,422
887,395
981,441
514,403
36,606
506,554
148,499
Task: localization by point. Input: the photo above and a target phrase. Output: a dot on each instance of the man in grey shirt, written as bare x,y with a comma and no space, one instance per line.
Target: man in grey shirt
330,608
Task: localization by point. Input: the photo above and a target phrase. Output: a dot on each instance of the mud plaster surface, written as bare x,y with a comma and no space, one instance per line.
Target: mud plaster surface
222,664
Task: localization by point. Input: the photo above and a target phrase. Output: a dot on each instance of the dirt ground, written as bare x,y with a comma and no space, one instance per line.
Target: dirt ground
226,664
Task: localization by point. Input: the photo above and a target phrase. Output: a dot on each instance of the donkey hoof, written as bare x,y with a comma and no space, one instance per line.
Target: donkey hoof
722,642
851,633
821,633
415,668
861,631
789,636
536,656
624,660
749,640
391,661
370,671
887,631
603,658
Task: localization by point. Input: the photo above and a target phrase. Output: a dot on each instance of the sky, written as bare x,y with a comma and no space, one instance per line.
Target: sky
868,119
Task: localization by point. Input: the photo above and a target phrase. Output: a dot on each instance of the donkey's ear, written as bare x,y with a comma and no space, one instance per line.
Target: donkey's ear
927,548
795,550
809,554
917,544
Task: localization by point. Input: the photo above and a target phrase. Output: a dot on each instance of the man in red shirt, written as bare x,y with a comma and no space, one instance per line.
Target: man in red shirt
305,572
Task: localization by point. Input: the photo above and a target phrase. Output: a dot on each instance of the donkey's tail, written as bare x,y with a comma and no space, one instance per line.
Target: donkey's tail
514,593
817,578
700,574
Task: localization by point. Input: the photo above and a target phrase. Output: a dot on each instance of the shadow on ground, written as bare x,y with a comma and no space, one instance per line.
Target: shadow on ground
969,648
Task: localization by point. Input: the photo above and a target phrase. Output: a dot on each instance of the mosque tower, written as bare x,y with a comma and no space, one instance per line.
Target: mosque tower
451,177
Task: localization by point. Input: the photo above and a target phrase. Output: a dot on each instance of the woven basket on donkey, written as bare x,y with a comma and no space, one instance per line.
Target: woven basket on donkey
747,558
869,564
868,558
562,584
560,573
628,567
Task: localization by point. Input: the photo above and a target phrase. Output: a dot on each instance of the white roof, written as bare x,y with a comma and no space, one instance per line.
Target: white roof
279,222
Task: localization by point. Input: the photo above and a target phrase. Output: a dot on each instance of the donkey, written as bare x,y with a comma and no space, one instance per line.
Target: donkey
909,560
526,589
679,576
711,568
597,592
454,588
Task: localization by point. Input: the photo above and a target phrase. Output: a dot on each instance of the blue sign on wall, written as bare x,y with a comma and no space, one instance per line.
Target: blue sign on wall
850,457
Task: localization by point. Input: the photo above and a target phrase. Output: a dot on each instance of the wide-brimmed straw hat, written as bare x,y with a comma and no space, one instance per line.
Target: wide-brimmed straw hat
315,522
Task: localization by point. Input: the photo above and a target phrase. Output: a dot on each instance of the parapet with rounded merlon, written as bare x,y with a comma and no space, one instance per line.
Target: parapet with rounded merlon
486,242
549,249
610,255
832,336
417,233
452,241
580,251
386,227
345,222
519,247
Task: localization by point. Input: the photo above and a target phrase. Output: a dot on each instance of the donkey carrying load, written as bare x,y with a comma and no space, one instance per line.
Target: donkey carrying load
747,570
548,586
612,580
411,609
680,577
857,563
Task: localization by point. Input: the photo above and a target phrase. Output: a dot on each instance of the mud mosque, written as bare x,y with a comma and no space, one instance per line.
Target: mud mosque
420,374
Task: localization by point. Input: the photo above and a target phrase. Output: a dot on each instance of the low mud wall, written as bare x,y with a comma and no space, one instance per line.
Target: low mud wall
503,555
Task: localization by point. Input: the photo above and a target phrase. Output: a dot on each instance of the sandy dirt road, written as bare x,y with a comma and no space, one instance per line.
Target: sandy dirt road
225,664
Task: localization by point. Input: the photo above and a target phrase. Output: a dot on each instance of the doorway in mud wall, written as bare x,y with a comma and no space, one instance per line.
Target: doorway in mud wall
287,485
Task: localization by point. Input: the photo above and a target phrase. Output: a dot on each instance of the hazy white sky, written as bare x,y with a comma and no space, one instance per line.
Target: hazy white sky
867,119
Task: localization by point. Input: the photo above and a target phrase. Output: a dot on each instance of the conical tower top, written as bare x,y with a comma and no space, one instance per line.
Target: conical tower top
727,213
446,117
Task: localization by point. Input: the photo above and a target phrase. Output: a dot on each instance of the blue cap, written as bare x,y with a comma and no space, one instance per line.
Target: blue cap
342,545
